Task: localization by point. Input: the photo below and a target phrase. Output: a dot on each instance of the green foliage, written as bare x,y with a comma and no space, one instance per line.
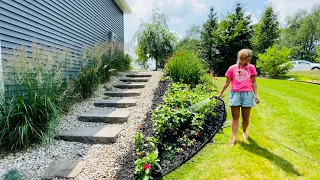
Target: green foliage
12,174
192,39
275,61
87,81
318,54
138,142
185,66
33,113
154,40
266,31
207,39
174,116
145,165
302,34
233,34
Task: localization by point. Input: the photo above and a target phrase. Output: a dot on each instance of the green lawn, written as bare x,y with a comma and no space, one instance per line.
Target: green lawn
304,75
289,113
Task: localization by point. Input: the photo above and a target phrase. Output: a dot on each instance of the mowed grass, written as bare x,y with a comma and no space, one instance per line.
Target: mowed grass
289,113
304,75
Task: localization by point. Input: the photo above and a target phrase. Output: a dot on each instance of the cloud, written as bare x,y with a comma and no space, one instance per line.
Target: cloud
177,19
287,8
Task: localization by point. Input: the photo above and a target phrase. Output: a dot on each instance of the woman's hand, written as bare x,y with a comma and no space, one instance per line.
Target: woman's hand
219,96
257,99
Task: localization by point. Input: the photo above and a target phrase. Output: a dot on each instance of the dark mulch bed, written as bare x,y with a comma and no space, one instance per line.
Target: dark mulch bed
211,127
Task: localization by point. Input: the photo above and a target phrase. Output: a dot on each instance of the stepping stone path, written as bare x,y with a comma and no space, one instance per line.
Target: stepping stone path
63,169
123,103
105,116
135,80
99,135
127,93
129,86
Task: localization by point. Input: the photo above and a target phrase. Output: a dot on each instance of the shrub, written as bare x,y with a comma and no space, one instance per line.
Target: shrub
185,66
275,61
12,174
87,81
32,115
121,61
318,54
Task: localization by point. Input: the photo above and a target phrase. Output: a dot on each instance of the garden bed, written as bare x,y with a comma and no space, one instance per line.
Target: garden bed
210,128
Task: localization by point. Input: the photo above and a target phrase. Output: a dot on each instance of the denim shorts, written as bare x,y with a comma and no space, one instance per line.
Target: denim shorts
243,99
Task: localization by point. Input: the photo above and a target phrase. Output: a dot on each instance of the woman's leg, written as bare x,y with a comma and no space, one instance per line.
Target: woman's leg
245,120
235,110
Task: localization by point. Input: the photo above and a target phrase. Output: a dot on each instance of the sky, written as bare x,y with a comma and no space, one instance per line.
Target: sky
183,13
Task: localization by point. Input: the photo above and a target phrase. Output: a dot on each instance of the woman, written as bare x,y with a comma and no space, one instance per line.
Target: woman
244,92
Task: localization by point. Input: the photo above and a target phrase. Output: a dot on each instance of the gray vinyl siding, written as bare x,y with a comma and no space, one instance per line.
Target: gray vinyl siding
60,24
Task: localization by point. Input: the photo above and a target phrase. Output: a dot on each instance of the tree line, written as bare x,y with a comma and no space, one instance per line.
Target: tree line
217,41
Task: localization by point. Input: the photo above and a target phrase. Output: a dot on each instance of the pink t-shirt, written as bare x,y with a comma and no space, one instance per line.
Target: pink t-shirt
241,81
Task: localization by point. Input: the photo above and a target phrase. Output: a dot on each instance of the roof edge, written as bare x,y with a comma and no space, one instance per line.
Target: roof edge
123,5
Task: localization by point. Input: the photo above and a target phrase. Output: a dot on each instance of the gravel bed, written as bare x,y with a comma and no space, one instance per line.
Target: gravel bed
101,161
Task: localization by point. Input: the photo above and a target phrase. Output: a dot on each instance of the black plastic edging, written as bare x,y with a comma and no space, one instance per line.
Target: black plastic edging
206,142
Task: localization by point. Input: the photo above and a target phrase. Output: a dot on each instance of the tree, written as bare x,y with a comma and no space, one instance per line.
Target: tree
275,61
154,40
192,39
318,54
302,34
266,31
233,34
207,39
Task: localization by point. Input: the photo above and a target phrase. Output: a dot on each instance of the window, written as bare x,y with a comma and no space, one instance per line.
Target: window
303,63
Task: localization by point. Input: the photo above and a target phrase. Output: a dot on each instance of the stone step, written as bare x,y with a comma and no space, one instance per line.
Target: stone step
92,135
139,75
122,103
135,79
105,116
127,93
63,169
129,86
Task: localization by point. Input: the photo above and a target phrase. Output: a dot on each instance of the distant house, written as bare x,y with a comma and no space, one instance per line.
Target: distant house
68,24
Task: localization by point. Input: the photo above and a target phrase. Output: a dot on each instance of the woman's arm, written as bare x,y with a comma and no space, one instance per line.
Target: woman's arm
255,89
224,87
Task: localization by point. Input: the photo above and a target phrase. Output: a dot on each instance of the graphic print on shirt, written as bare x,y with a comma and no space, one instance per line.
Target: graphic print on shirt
242,76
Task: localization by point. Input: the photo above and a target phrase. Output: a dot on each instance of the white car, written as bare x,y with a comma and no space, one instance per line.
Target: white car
301,65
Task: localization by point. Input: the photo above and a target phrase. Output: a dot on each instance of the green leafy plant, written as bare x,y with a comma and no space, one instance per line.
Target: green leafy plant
32,114
185,66
138,142
275,61
145,165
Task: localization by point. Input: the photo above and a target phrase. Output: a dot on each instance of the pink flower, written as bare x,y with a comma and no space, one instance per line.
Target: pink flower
184,145
146,166
198,134
193,140
186,131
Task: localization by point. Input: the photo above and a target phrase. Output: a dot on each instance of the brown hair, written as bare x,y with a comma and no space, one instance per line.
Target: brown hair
242,54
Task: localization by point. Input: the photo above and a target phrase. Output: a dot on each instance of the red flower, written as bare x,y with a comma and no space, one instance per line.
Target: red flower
146,166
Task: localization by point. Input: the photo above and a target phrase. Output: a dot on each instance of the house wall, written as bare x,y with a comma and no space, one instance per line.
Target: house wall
62,24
